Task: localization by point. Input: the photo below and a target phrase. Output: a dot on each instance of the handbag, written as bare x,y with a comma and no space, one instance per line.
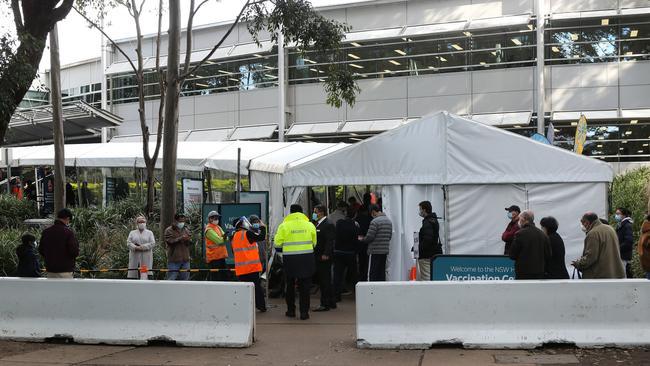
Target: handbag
575,270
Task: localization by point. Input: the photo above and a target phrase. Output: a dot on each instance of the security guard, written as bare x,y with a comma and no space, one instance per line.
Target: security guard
247,257
296,238
215,248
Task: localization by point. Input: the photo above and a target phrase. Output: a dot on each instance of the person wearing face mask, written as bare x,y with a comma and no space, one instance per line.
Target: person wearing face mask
600,257
625,235
531,249
140,243
378,239
178,241
324,253
513,226
215,248
428,241
59,247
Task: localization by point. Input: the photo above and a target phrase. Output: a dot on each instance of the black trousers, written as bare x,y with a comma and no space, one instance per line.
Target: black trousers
260,302
303,293
363,263
324,269
343,262
377,267
220,275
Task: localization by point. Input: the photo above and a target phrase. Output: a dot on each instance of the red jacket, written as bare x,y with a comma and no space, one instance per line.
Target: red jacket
59,248
509,235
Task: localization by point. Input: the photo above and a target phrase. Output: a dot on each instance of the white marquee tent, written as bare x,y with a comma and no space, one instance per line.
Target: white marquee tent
470,172
264,161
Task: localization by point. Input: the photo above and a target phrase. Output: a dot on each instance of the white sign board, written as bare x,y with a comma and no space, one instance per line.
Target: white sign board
192,193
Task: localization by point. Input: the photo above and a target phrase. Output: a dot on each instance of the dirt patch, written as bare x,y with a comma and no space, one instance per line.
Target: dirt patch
9,348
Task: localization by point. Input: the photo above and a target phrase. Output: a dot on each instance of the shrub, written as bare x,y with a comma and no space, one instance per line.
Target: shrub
14,211
630,190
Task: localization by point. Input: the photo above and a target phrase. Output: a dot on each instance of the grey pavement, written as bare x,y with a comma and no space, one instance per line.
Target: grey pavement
327,339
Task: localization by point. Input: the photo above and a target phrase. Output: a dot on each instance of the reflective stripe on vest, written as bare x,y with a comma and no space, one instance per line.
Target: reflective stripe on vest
297,247
247,256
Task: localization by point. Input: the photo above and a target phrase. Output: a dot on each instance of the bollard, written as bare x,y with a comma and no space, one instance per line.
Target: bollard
144,272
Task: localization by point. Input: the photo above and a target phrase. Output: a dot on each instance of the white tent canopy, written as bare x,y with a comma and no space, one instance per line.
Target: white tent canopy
447,149
470,172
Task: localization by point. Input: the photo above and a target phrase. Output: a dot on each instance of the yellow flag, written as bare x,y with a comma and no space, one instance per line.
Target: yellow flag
581,134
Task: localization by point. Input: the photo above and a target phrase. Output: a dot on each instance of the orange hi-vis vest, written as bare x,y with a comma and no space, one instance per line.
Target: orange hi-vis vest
247,256
214,251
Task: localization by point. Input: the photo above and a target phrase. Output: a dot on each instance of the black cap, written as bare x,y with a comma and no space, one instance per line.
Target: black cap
513,208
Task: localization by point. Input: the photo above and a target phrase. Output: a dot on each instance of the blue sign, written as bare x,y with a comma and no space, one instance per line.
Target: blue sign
229,212
472,268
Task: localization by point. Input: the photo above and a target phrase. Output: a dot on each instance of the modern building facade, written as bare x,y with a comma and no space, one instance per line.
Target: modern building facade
471,57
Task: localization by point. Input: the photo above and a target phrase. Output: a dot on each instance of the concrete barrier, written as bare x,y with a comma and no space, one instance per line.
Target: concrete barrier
511,314
205,314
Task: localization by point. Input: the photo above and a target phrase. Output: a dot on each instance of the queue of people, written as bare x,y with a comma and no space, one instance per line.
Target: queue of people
540,253
351,244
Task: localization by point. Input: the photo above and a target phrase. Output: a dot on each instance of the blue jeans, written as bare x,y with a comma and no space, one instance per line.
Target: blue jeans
647,275
178,276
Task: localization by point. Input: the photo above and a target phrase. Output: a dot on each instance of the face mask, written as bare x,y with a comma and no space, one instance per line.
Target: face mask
618,218
314,216
519,224
584,229
510,215
256,226
180,225
142,226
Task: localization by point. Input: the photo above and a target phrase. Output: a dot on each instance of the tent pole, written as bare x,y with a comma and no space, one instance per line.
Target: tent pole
238,191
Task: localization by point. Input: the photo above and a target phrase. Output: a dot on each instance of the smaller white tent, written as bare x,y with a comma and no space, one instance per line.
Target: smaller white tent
470,172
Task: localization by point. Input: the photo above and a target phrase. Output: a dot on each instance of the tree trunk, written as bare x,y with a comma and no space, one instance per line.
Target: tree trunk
170,127
17,78
150,191
57,121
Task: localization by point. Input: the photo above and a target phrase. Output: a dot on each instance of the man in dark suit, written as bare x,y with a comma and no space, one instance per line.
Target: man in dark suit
323,253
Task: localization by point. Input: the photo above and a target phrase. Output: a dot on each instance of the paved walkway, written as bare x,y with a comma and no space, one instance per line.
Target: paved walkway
327,339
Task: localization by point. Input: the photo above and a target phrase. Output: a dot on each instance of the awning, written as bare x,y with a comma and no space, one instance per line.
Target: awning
80,120
253,132
503,119
220,53
182,136
584,14
499,22
434,28
220,134
372,35
591,115
635,113
371,125
324,128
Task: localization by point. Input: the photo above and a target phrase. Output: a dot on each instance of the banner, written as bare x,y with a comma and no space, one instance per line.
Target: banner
581,134
192,193
109,189
472,268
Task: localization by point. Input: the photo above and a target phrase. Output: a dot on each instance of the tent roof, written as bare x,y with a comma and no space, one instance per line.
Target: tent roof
271,157
442,148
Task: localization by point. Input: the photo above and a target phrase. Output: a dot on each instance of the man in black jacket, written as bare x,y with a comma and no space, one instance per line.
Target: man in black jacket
345,250
428,241
625,235
530,250
323,253
59,247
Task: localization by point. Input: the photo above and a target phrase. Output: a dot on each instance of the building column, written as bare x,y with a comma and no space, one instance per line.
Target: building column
282,93
541,92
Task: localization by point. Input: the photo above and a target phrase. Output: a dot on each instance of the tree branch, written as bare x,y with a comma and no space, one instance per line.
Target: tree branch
62,11
161,86
117,47
199,7
18,18
214,49
188,40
